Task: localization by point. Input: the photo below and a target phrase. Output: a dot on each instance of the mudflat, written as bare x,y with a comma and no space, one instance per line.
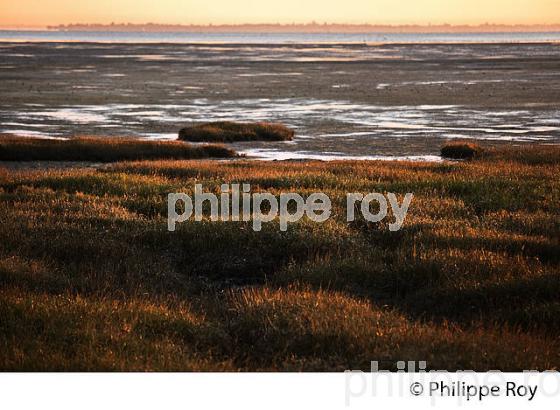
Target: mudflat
343,100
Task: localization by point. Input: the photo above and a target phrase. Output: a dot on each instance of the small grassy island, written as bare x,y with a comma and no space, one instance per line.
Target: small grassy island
228,131
461,150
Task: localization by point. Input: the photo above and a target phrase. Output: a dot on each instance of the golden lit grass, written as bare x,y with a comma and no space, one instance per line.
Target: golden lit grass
90,279
103,149
228,131
252,329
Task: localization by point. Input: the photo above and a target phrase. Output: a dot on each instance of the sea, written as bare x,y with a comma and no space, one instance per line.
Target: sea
273,38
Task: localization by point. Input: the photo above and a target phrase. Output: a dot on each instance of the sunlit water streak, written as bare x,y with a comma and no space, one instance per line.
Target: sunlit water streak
324,128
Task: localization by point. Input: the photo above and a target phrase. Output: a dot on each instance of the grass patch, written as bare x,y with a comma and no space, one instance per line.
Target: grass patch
90,278
527,154
461,150
92,149
227,131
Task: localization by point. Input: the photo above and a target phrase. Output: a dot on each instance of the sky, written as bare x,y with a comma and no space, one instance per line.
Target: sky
37,13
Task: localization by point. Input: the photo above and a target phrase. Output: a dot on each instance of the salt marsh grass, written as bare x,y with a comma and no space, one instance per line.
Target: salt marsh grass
229,131
92,280
103,149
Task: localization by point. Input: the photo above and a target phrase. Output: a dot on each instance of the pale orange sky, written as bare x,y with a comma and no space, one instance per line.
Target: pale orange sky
16,13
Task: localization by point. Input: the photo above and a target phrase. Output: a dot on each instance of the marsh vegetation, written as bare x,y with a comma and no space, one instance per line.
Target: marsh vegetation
92,280
104,149
229,131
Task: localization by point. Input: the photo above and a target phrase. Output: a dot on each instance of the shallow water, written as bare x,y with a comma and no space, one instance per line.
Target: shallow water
324,128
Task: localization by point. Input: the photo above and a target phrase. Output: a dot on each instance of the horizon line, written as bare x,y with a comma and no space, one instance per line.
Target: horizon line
307,28
313,25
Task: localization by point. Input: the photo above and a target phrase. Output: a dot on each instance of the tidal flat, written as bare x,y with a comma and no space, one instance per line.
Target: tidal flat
344,101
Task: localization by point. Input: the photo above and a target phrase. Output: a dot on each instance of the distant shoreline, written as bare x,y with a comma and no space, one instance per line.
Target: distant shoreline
298,28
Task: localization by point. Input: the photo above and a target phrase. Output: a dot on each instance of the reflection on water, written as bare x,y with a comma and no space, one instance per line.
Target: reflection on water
278,155
360,51
324,128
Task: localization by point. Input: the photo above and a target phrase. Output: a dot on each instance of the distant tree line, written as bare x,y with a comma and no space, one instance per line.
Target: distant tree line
312,27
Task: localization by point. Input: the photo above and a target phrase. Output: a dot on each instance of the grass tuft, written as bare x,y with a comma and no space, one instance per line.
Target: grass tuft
461,150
